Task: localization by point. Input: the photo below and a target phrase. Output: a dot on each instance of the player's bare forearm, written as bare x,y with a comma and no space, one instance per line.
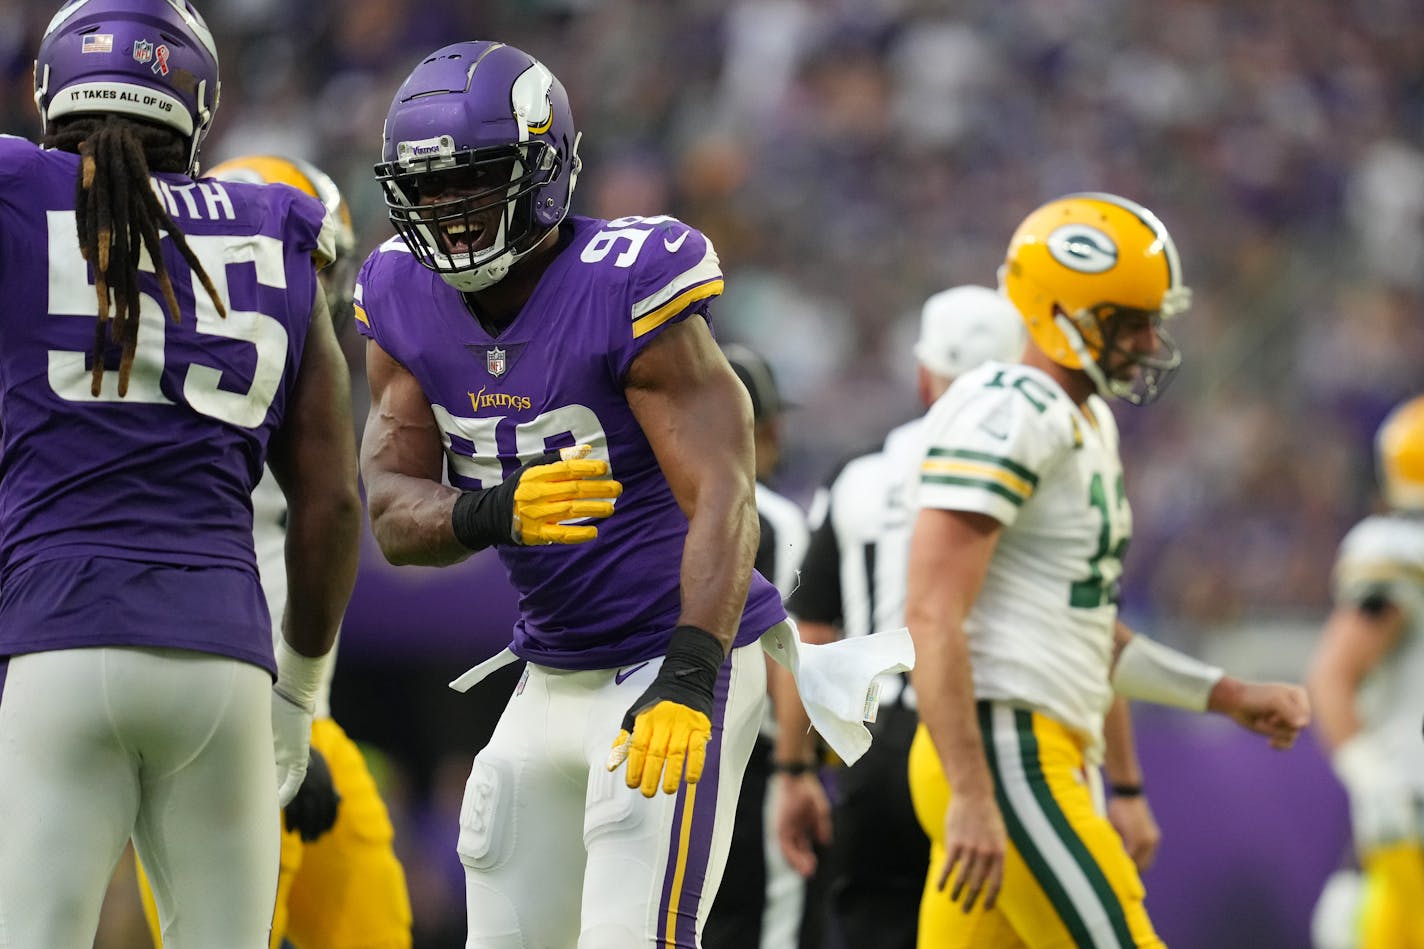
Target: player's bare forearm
322,549
1122,635
949,558
1120,747
402,465
717,562
1351,645
794,741
1337,716
697,417
944,687
313,457
411,519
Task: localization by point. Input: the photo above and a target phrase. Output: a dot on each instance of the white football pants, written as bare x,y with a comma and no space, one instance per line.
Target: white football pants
170,747
559,852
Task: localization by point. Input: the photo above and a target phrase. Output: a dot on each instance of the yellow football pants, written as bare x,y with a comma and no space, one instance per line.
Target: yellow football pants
346,890
1391,917
1068,881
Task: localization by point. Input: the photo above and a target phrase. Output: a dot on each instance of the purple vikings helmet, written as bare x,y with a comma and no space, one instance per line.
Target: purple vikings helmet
151,59
496,120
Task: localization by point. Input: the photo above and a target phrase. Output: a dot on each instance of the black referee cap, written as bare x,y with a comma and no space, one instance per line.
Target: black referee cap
755,373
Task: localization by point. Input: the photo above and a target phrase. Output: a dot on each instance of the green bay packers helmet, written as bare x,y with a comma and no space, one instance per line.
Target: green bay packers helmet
1076,264
339,274
1399,453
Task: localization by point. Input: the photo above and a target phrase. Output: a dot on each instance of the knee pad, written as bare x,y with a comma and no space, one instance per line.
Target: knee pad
486,832
611,936
610,804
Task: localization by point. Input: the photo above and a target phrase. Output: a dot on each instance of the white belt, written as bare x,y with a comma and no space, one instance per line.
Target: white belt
484,670
836,680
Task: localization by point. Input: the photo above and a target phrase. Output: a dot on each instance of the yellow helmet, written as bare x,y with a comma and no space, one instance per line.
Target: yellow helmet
1399,450
339,273
1079,261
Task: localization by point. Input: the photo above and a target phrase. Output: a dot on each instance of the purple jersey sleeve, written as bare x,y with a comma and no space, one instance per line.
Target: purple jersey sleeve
674,273
552,378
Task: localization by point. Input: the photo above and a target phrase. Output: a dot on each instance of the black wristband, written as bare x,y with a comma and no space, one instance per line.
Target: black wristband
1126,790
688,675
483,518
793,768
694,648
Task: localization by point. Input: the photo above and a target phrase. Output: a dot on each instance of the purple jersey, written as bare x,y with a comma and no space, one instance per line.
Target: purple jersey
128,521
555,377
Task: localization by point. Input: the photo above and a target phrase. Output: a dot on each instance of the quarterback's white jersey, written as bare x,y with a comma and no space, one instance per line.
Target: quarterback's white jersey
1007,441
269,537
1384,556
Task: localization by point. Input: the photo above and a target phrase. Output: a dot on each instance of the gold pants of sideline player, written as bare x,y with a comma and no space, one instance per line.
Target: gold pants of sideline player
346,890
1068,881
1393,894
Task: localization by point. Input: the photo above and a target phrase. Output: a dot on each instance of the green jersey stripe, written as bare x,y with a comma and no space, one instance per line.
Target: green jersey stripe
991,486
1008,464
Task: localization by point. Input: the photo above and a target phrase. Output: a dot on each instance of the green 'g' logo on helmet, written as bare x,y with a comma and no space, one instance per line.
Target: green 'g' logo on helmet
1082,248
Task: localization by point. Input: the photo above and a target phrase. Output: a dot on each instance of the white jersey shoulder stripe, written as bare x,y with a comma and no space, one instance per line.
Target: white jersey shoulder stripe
708,269
396,244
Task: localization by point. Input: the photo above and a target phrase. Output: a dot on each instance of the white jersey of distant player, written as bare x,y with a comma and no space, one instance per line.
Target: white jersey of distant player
1385,555
869,507
1007,441
269,537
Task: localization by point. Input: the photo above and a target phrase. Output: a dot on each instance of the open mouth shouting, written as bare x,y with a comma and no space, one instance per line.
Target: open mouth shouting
463,235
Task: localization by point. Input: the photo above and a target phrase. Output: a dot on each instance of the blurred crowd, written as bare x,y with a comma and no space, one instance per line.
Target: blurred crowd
850,157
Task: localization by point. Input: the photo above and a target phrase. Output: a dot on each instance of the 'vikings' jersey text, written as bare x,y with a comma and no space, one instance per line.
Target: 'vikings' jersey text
554,378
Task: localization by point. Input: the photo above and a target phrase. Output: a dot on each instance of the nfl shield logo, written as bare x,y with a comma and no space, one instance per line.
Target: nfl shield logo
495,362
143,51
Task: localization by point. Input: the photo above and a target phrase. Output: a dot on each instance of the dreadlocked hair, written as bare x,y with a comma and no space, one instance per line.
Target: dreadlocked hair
118,216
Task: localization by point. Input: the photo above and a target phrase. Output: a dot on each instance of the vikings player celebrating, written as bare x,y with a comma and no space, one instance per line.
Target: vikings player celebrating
500,329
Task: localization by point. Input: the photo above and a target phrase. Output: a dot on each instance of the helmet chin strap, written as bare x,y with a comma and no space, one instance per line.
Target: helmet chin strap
1069,329
490,273
473,281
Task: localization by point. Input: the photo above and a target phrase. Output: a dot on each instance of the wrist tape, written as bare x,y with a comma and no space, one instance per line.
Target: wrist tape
1151,672
299,677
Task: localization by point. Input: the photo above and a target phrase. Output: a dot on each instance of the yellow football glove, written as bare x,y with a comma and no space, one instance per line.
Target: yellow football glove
665,732
563,490
526,507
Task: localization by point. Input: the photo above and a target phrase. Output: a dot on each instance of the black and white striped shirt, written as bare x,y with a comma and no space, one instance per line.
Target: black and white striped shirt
854,574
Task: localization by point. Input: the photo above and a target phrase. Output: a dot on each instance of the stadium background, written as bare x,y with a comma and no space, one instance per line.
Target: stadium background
848,157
